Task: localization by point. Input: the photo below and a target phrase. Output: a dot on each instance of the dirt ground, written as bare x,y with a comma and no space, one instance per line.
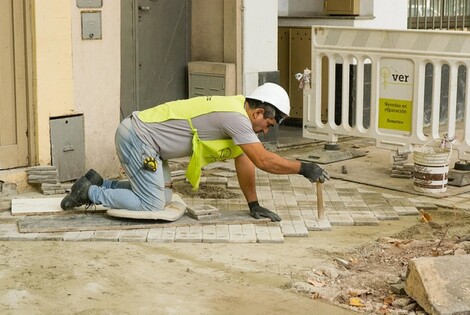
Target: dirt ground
351,269
315,275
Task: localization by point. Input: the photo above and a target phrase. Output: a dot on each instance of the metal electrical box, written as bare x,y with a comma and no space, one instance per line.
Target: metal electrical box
68,146
89,3
91,24
211,78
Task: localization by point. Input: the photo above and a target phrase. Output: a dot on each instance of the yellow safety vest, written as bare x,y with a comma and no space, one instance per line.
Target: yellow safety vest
207,151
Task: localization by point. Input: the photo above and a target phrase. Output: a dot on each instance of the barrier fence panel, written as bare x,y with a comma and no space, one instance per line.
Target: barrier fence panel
400,87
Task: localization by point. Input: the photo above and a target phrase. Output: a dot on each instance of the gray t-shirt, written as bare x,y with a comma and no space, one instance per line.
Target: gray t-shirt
173,138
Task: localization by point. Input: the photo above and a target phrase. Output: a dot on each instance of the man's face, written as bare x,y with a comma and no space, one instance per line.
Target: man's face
261,124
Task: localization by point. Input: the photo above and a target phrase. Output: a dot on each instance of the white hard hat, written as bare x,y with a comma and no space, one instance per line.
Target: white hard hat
273,94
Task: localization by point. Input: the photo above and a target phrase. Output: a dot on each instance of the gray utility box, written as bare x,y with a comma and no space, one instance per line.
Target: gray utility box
68,146
211,78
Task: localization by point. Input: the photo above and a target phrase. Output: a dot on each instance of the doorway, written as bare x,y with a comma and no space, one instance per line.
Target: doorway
155,52
14,84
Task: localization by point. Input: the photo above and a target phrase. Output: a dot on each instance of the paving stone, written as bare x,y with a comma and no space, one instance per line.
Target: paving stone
424,206
222,233
209,234
340,219
222,165
5,204
406,210
106,236
385,215
52,236
236,233
4,235
276,234
287,228
233,184
202,210
249,233
364,218
205,217
318,225
137,235
195,233
224,174
215,180
155,235
294,229
78,236
22,236
168,235
182,234
8,227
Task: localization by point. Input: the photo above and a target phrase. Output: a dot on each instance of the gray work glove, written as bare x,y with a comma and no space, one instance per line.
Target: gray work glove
313,172
256,211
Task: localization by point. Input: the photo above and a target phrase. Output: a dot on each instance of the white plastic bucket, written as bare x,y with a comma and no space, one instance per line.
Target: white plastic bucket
431,169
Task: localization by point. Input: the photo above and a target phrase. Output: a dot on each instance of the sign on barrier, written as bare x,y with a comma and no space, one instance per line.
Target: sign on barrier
396,94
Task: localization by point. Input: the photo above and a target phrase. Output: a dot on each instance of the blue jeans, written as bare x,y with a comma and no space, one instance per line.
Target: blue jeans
144,190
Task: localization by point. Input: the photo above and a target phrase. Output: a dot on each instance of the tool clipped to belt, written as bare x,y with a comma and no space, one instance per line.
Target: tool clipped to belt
150,164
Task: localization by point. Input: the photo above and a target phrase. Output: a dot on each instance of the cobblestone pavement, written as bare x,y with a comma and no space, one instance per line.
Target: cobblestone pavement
291,196
346,203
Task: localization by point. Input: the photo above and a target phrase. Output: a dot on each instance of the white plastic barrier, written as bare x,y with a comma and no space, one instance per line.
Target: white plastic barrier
399,88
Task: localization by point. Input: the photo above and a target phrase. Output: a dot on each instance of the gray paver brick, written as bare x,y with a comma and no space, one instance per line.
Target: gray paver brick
79,236
209,234
22,236
4,235
155,235
386,215
249,233
364,218
106,236
53,236
8,227
182,234
222,233
294,229
340,218
195,233
139,235
236,233
318,225
406,210
168,234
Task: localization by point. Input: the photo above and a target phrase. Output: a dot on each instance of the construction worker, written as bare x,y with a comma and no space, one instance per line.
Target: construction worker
208,129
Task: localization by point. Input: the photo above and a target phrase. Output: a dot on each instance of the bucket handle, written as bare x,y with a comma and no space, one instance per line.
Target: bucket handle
442,144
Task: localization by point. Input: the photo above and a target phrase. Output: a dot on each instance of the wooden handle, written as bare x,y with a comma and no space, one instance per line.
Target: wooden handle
321,209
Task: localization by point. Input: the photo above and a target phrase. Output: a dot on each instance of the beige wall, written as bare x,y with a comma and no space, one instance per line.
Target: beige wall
207,30
53,68
96,72
217,37
75,76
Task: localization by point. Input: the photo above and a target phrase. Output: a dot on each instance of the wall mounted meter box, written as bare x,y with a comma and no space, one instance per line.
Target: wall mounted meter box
89,3
342,7
91,24
68,146
211,78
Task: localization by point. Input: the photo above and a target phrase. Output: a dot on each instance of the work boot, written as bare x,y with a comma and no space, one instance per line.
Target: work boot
78,196
94,177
